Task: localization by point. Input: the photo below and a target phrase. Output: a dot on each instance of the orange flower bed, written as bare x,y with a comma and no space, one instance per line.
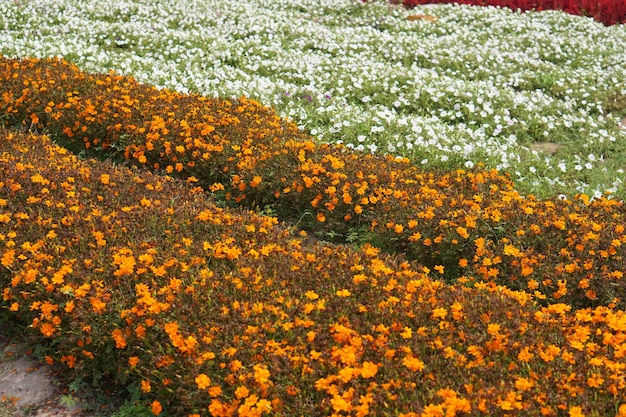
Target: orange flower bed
143,280
471,226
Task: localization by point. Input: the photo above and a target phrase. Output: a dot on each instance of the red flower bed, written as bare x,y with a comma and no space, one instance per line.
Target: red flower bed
609,12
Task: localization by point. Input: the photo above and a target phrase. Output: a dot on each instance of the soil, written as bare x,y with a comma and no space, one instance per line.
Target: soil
29,388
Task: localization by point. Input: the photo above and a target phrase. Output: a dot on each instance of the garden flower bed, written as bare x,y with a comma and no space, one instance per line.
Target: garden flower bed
140,280
609,12
468,225
537,94
335,245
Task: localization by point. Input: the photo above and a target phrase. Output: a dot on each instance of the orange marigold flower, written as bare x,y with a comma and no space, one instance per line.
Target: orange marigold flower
413,363
120,339
203,381
311,295
524,384
343,293
576,411
241,392
215,391
440,313
145,386
47,329
8,258
369,369
525,355
156,407
511,250
340,404
595,381
69,360
261,374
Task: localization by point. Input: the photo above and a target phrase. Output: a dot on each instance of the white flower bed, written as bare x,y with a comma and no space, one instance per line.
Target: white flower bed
476,85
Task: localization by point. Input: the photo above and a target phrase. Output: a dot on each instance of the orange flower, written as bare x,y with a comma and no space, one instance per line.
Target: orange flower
368,369
47,329
524,384
203,381
413,363
156,407
120,339
256,181
261,374
241,392
145,386
576,411
8,258
440,313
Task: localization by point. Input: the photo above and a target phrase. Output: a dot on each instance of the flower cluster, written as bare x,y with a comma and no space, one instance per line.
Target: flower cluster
466,224
211,311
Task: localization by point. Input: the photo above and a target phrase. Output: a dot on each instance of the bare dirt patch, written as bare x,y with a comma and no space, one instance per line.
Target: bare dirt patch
29,388
546,147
